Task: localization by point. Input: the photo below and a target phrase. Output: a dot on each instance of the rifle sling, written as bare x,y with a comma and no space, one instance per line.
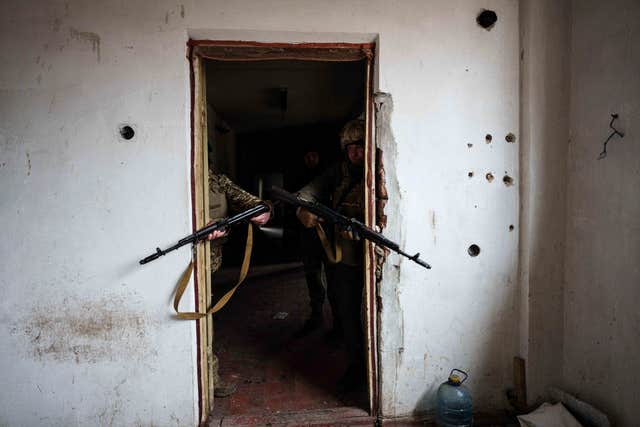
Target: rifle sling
186,276
333,259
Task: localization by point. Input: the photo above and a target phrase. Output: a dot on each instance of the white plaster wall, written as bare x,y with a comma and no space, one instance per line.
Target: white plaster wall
545,42
602,321
87,334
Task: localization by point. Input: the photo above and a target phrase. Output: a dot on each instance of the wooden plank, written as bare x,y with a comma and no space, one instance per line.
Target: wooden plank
229,51
336,416
369,265
200,211
520,383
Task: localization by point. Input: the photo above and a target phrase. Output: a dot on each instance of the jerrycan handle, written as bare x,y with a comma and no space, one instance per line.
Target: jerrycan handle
453,378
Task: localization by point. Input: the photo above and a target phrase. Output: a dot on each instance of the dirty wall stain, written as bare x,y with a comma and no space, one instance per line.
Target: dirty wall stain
85,36
84,332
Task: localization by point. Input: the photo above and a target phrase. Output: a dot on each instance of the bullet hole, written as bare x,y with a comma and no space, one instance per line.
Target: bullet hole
469,145
510,138
127,132
508,181
511,227
474,250
487,19
475,206
470,174
488,138
489,176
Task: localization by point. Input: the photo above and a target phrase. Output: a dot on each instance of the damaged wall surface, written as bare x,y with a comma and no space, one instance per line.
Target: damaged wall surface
601,338
87,334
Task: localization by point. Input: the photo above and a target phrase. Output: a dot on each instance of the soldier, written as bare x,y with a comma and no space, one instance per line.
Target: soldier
342,186
312,258
226,198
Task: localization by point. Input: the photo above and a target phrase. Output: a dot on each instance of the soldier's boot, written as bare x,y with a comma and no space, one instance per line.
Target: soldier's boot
314,322
220,388
223,389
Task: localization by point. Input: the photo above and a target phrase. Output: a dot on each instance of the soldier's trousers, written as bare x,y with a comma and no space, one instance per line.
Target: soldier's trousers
348,283
313,258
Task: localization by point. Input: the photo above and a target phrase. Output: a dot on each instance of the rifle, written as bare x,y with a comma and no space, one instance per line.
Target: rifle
201,234
344,223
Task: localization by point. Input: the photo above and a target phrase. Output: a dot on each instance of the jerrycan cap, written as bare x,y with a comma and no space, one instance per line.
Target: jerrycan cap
454,379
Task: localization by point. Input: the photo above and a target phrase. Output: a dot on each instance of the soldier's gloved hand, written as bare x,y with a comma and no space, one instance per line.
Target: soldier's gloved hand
264,217
350,234
261,219
308,219
216,234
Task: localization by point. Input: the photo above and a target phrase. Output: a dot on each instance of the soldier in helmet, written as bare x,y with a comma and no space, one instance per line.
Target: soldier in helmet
342,188
226,198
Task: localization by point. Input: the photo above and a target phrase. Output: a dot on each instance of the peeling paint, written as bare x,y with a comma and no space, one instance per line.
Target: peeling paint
85,36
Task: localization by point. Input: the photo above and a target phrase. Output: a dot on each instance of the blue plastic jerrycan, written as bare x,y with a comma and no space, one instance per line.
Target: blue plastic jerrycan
453,402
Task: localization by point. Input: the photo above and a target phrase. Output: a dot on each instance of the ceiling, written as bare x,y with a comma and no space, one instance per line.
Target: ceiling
262,95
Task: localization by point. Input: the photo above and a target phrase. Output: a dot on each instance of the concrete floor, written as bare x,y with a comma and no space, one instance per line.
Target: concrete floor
279,378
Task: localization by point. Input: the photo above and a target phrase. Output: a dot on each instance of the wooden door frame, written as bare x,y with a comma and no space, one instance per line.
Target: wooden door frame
226,50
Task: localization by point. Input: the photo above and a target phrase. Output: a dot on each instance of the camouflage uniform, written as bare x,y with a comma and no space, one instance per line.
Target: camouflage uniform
225,198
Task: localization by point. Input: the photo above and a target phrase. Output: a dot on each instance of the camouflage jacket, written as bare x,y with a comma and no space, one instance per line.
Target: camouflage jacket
225,198
338,187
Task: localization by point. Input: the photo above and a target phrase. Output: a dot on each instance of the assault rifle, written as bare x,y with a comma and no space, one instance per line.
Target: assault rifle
202,234
344,223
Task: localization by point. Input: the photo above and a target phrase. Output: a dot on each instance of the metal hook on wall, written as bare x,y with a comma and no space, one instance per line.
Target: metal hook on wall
603,154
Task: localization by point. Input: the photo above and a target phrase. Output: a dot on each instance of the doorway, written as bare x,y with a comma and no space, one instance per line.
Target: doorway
257,110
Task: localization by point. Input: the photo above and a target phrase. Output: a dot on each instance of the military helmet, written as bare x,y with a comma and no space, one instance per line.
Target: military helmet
352,132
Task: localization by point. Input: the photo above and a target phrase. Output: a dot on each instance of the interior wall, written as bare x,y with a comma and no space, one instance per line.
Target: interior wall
87,333
602,272
544,62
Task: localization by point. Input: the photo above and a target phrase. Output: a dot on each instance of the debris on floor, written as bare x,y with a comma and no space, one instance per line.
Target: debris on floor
548,415
568,411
